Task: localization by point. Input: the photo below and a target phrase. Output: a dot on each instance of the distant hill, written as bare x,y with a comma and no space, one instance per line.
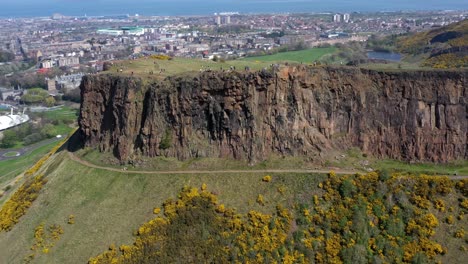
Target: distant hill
444,47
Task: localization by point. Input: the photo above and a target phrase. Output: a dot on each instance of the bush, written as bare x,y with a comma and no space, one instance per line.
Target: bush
49,131
35,96
10,137
21,200
33,138
166,141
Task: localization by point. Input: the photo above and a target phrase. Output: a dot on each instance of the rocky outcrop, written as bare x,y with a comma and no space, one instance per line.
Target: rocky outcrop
417,115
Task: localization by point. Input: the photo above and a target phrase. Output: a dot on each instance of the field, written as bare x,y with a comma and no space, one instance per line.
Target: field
61,118
109,206
11,168
159,68
306,56
163,68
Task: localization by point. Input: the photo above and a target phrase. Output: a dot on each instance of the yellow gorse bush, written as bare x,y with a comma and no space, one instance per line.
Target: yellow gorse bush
19,202
23,198
224,235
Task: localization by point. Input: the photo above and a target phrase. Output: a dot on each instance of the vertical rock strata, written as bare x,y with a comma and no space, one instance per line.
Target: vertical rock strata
417,115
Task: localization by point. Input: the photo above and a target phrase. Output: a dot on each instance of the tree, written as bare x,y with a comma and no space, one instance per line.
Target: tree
10,138
49,131
6,56
35,96
49,101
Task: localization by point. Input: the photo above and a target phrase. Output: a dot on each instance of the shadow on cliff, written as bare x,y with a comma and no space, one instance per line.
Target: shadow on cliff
74,143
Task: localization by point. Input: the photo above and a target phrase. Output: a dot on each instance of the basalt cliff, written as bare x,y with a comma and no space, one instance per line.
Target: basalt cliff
415,115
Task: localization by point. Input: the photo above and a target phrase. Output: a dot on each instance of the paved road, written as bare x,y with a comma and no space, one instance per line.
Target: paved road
337,171
24,150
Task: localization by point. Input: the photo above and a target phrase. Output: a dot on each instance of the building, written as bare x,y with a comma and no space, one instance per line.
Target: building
68,61
7,93
12,120
51,87
223,19
68,82
337,18
346,18
111,32
47,64
227,20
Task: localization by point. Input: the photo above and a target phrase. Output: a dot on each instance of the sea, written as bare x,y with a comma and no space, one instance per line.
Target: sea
80,8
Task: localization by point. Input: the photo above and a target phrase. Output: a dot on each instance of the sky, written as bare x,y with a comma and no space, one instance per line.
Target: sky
187,7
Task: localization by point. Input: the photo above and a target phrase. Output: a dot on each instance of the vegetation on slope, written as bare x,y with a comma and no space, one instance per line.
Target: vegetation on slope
352,219
22,199
444,47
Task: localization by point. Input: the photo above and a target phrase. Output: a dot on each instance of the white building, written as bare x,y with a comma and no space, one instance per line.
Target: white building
346,17
9,121
337,18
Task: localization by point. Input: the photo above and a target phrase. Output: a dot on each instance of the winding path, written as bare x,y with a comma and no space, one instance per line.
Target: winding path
337,171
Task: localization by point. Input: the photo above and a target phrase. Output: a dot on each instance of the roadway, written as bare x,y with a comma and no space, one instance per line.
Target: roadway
25,150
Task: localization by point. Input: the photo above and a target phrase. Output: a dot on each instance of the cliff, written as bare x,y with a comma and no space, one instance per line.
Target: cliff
418,115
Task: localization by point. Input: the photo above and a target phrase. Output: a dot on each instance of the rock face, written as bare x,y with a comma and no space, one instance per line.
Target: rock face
418,115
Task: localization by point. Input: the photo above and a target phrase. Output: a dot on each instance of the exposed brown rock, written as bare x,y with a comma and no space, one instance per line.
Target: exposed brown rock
418,115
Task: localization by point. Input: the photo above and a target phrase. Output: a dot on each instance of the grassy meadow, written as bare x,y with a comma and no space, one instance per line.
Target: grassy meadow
306,56
163,68
109,206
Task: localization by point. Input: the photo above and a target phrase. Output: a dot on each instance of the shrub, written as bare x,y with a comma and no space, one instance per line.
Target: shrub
19,202
166,141
260,200
266,178
71,219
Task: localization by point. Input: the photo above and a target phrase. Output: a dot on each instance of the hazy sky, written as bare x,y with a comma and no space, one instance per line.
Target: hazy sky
75,7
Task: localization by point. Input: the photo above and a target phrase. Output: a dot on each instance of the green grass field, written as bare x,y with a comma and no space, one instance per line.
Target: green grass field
109,206
64,113
13,167
173,164
455,168
143,67
305,56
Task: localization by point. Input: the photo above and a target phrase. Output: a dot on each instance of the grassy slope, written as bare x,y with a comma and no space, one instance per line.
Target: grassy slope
306,56
62,114
109,206
352,160
13,167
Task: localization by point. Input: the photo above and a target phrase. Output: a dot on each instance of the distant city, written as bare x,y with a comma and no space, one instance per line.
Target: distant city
52,48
